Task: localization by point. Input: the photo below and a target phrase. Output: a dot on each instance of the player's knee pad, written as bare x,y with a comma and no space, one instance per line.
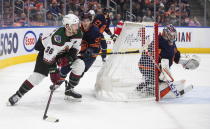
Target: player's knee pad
78,67
36,78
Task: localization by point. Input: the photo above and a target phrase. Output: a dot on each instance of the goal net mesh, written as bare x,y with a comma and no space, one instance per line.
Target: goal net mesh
130,77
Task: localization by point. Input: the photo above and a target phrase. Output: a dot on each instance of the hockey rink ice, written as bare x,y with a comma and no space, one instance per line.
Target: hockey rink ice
192,111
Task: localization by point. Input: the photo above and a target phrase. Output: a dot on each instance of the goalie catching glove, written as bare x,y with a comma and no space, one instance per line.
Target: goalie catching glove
191,62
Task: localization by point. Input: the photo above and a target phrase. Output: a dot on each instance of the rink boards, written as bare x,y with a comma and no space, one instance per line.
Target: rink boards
17,44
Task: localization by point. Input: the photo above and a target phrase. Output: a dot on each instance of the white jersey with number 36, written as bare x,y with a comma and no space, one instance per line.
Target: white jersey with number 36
57,43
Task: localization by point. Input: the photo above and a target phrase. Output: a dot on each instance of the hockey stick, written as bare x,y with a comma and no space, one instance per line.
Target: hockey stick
185,90
140,50
182,92
116,53
45,117
158,67
170,85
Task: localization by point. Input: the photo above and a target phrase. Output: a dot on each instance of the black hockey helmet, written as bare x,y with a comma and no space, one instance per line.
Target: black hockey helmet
86,16
106,11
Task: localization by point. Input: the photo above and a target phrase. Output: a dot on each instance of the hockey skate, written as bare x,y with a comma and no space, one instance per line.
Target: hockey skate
140,86
13,99
145,90
103,60
70,93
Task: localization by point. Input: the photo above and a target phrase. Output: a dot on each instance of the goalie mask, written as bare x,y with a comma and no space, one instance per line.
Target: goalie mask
170,33
72,21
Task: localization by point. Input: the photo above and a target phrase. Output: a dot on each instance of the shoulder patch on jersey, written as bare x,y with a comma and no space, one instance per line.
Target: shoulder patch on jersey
57,38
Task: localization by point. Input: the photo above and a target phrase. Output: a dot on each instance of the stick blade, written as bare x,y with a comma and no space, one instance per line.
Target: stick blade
51,119
187,89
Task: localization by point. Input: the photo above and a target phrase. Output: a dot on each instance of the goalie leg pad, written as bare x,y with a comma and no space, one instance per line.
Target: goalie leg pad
165,74
166,92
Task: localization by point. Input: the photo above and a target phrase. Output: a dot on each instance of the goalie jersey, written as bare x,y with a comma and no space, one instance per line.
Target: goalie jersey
168,51
57,43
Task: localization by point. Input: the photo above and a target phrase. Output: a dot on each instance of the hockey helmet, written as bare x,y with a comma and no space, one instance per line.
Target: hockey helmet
86,16
106,11
170,33
70,19
92,12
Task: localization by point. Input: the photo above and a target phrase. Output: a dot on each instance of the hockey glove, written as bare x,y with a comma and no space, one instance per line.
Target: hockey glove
64,61
88,53
55,76
113,37
67,58
191,62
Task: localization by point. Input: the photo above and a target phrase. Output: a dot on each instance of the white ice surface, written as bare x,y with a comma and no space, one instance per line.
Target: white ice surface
192,111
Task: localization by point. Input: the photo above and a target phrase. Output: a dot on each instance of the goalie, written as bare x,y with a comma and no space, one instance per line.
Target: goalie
168,54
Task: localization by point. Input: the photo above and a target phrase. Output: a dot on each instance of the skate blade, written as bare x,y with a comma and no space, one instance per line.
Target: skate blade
72,99
9,104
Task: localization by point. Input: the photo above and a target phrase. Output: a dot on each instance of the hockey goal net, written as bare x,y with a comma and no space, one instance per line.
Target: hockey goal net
133,76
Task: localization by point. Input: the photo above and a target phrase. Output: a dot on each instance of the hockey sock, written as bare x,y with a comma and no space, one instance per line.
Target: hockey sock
73,80
104,51
24,88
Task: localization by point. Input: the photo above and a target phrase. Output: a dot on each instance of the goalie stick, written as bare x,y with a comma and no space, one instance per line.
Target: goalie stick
170,85
181,92
158,67
185,90
46,117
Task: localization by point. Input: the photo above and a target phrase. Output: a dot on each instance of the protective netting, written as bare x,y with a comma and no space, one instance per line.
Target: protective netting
120,76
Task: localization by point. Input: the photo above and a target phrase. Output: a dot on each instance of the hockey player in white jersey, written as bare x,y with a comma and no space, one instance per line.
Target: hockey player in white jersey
60,47
89,46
